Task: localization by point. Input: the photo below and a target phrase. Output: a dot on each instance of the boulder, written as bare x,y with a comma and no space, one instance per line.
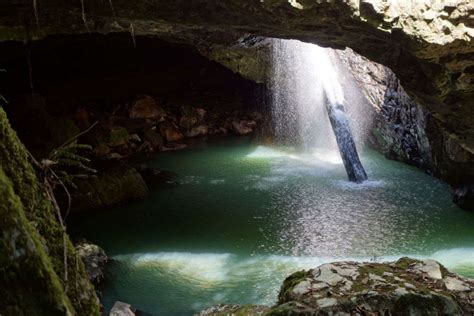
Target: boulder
243,127
191,117
404,287
94,259
102,150
196,131
122,309
145,107
154,138
118,136
61,130
463,195
171,132
113,185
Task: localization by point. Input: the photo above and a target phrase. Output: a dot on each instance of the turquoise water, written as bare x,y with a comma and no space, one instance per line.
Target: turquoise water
241,217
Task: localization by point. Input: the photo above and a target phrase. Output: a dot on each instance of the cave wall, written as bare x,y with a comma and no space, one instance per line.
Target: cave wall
427,44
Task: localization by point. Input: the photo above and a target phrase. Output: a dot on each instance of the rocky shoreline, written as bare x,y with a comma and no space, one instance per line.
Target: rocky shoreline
404,287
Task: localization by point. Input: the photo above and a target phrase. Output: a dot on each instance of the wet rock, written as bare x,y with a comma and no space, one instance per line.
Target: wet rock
94,259
173,146
243,127
200,130
122,309
154,138
463,195
101,151
154,177
118,136
170,132
114,184
145,107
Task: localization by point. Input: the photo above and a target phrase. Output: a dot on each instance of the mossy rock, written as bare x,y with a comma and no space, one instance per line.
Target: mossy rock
32,272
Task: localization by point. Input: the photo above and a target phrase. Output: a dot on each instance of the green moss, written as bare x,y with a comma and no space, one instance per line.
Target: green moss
25,267
374,268
27,212
289,283
404,262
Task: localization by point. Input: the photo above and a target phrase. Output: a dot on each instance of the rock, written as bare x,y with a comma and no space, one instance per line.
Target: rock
118,136
101,150
201,113
135,138
243,127
121,309
431,268
61,130
94,259
170,132
115,183
32,279
173,146
463,195
456,285
155,177
243,310
145,107
373,288
155,139
200,130
82,118
192,121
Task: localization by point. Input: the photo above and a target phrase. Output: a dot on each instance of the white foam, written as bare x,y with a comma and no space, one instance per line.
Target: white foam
212,269
266,152
348,185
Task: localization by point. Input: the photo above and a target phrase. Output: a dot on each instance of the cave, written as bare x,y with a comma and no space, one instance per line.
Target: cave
238,158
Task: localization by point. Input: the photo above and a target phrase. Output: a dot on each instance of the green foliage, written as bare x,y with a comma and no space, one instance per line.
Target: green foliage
68,165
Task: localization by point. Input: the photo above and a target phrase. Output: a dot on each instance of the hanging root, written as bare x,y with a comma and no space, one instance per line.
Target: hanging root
35,9
84,16
50,195
30,74
132,32
113,9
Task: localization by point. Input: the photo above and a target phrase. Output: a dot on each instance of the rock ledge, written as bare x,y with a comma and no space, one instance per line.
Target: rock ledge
404,287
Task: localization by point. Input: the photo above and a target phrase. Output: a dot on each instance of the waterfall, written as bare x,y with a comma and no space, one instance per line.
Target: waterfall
305,91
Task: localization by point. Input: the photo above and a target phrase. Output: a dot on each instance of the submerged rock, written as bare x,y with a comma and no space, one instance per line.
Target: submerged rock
404,287
121,309
94,259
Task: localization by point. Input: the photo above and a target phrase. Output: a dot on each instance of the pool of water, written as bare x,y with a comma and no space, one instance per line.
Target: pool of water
241,217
